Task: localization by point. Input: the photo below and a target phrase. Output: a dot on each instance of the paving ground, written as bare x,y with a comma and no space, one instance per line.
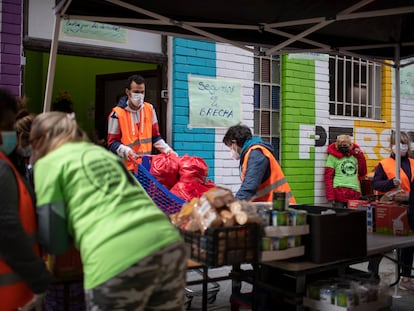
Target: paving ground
402,300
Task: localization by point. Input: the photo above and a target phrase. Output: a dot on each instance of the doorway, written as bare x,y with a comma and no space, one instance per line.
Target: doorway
111,87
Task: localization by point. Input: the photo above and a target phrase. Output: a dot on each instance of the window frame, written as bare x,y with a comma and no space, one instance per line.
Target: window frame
267,99
354,88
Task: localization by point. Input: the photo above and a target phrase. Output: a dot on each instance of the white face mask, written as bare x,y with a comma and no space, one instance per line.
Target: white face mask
234,154
403,149
137,99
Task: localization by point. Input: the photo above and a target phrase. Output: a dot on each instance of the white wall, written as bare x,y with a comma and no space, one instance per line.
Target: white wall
322,119
41,22
235,64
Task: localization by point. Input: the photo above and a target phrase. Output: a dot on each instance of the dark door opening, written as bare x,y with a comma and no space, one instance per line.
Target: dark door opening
111,87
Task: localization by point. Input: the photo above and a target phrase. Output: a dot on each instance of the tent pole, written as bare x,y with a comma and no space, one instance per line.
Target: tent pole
52,63
397,110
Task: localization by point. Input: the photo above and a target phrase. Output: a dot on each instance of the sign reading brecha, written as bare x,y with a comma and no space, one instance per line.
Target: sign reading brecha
214,102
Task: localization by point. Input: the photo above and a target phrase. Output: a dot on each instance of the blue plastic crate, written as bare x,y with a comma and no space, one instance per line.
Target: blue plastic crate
165,200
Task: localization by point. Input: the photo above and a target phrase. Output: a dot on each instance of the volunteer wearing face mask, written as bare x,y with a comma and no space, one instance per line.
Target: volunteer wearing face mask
385,173
23,152
261,174
385,180
344,166
23,275
133,125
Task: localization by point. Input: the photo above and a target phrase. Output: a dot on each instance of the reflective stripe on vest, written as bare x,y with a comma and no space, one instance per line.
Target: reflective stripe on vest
14,293
138,137
389,167
9,278
275,182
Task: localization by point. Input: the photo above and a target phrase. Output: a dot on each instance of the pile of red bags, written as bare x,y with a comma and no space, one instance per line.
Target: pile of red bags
164,167
185,176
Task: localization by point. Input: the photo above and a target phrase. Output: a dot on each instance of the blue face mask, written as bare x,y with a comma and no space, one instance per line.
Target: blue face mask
9,139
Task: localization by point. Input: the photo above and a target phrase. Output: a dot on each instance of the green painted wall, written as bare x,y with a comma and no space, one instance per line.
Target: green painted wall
298,107
75,74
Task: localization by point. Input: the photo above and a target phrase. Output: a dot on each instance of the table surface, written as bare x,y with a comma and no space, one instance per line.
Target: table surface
377,244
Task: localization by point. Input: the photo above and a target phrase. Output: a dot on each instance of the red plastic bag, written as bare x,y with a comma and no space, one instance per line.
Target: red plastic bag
190,190
193,169
164,167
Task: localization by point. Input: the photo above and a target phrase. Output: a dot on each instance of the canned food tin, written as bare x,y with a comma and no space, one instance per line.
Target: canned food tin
279,244
298,240
279,218
327,294
279,201
266,244
301,217
291,241
291,217
345,297
314,290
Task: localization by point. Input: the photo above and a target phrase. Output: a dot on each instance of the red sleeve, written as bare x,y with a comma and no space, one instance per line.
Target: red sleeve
362,164
155,130
329,176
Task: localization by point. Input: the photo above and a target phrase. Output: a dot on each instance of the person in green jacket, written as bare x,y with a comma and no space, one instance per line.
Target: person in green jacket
133,257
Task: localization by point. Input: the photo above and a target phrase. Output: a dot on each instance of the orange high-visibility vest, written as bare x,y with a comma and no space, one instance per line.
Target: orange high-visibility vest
14,292
389,167
275,182
136,136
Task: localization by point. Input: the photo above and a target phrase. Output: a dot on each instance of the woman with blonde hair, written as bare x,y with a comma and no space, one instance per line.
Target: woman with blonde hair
385,179
133,258
344,166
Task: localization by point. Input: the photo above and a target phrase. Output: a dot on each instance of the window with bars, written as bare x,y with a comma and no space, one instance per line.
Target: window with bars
267,100
355,88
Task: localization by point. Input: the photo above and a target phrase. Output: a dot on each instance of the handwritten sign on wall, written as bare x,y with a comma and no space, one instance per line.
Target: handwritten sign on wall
94,30
407,81
214,102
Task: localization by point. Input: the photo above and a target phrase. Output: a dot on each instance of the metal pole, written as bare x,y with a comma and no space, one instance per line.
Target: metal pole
397,111
52,63
397,274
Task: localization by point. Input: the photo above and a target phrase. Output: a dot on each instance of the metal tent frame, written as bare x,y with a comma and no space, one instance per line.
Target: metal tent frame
376,30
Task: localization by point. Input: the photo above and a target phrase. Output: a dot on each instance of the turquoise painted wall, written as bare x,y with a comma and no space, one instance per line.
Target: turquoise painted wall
196,58
298,107
76,75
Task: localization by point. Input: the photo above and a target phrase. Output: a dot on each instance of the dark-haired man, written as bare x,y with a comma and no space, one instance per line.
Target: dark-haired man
133,125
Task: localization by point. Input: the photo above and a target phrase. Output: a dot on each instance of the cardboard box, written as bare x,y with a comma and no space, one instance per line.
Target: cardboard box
335,236
286,230
382,303
283,254
391,218
369,207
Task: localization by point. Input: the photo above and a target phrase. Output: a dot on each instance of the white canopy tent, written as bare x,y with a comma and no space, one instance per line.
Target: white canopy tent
377,30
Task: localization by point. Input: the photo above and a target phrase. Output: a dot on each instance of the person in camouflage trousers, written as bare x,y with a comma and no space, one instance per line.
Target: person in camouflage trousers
154,283
133,258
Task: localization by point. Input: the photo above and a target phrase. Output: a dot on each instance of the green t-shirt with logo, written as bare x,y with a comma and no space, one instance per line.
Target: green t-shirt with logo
346,171
113,221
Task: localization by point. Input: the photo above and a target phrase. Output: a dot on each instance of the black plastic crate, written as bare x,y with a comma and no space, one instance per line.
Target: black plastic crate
332,237
223,246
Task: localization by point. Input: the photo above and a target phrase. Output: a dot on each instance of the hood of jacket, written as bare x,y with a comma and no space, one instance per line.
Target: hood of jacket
254,141
337,154
123,102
